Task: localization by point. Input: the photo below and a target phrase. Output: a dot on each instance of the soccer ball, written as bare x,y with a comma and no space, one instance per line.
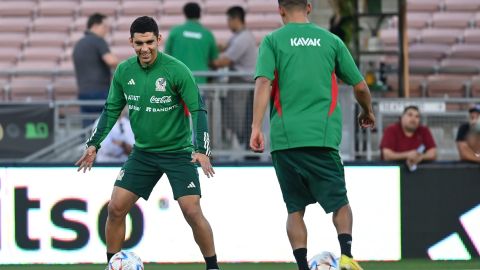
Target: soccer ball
125,260
323,261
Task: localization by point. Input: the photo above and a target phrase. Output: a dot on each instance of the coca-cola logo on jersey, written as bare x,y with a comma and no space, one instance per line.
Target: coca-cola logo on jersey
161,100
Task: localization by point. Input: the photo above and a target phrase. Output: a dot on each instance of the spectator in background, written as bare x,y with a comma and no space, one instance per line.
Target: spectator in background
408,140
93,61
119,142
239,55
465,146
192,43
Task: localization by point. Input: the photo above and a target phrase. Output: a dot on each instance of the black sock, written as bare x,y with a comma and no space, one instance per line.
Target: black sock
301,258
211,262
109,256
345,244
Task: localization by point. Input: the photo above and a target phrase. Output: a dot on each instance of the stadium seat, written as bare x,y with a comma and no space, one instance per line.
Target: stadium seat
260,21
17,24
41,54
123,23
140,8
9,54
57,8
80,24
428,51
37,65
29,88
108,8
66,65
12,40
74,37
424,5
465,51
262,6
389,36
168,21
122,52
452,19
415,20
222,36
422,66
441,35
416,83
472,35
17,8
221,6
476,20
446,86
214,21
260,34
120,38
64,88
462,5
52,24
459,66
44,39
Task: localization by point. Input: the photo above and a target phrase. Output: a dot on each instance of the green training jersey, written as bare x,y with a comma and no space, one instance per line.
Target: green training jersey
194,45
303,61
160,98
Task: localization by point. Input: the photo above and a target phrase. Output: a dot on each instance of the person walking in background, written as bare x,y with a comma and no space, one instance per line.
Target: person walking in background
93,62
297,71
408,140
464,146
239,55
164,106
192,43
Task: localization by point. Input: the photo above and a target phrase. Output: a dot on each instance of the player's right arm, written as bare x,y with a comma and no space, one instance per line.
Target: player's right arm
111,111
264,75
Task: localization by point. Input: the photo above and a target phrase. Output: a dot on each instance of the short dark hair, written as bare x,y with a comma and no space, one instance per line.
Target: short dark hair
192,10
95,18
236,12
144,24
410,107
288,4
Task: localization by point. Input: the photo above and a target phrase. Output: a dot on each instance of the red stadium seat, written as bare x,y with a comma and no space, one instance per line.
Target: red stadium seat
221,6
108,8
222,36
123,23
167,21
40,39
452,19
415,20
440,35
416,83
472,35
428,51
17,24
260,21
423,5
121,38
42,54
446,85
462,5
175,7
475,86
52,24
122,52
140,8
25,88
8,54
12,40
459,66
17,8
465,51
64,88
214,21
57,8
389,36
262,6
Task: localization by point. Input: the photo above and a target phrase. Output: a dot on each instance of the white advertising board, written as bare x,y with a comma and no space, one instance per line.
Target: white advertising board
53,215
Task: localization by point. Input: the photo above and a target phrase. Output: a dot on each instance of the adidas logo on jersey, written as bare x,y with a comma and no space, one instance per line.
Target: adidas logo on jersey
305,42
191,185
131,82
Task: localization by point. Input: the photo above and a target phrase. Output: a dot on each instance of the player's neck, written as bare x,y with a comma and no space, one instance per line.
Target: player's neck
296,17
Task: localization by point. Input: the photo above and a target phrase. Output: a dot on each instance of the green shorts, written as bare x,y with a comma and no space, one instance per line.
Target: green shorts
308,175
143,169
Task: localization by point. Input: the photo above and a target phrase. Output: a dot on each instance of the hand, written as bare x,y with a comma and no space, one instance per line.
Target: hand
413,158
204,161
257,141
366,119
87,159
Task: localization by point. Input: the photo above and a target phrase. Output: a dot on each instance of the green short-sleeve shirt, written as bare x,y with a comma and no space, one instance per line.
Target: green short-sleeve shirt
303,62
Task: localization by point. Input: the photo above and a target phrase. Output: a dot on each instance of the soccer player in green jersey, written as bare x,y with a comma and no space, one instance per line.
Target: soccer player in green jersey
297,71
162,97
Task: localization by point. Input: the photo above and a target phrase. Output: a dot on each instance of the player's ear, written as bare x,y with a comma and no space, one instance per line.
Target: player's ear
131,41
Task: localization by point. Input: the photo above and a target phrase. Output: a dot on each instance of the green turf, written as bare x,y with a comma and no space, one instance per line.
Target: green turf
402,265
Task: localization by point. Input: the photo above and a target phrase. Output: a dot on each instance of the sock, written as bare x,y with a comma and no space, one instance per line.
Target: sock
211,262
301,258
109,256
345,244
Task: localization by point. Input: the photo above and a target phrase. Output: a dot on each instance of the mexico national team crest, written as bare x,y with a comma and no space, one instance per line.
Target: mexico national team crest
160,84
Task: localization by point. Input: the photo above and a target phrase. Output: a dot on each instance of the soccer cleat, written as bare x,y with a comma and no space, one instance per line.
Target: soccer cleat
347,263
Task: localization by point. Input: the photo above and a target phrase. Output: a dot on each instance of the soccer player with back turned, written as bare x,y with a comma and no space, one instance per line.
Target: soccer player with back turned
297,71
161,95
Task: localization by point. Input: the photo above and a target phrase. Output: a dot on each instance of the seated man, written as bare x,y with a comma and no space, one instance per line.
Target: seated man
408,140
465,146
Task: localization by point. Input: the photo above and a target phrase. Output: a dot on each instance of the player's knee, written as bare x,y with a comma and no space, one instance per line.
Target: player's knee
115,210
192,213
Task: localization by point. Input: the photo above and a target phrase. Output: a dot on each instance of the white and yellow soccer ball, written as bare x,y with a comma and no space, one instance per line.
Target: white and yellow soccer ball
323,261
125,260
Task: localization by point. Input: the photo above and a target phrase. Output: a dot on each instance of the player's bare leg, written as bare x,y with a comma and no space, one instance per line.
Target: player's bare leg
343,220
120,204
297,234
202,232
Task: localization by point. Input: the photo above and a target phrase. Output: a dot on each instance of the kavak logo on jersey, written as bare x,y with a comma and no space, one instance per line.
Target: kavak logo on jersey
161,100
305,42
160,84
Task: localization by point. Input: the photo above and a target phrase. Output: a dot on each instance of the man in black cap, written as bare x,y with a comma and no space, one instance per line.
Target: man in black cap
465,149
